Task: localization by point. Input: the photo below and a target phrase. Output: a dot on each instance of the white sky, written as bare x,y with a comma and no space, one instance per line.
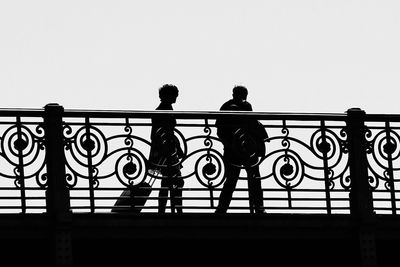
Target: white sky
293,55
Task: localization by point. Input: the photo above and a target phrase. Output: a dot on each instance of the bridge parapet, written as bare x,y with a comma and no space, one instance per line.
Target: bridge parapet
306,169
76,163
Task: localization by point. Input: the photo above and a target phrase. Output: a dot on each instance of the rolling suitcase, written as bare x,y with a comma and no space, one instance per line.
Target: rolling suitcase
133,200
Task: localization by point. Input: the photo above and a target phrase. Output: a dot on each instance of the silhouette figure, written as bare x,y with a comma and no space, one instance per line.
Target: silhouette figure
243,140
164,158
165,152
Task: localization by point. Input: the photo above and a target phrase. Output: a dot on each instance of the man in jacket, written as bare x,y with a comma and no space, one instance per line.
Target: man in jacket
243,140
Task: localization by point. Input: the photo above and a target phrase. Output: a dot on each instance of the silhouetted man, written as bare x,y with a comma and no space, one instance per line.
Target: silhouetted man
164,158
243,140
165,151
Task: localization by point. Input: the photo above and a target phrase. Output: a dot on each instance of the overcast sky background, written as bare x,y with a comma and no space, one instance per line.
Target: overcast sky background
293,55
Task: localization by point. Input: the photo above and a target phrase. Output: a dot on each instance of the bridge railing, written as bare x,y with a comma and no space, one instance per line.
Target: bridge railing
76,161
383,153
22,162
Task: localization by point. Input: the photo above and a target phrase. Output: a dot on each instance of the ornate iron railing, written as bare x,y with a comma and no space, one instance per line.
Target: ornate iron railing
22,161
383,151
303,171
81,161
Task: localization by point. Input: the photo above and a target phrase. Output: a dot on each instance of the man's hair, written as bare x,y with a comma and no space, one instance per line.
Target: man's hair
240,92
167,90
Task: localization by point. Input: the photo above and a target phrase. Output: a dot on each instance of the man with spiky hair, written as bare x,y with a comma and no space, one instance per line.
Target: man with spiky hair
165,152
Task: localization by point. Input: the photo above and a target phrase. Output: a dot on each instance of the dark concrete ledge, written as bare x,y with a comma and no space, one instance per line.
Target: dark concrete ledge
209,226
291,239
193,225
185,225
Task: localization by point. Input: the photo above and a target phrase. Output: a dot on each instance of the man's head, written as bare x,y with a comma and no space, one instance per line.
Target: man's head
168,93
239,93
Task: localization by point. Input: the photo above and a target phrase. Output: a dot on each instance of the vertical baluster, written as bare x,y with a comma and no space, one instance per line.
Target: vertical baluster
210,188
249,193
286,142
324,148
89,144
209,143
289,197
389,150
129,142
21,176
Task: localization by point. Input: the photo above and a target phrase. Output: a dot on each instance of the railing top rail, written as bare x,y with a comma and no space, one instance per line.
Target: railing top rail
382,117
203,114
30,112
8,112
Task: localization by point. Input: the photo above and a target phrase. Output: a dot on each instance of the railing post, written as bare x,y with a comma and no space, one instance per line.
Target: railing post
57,194
361,195
361,202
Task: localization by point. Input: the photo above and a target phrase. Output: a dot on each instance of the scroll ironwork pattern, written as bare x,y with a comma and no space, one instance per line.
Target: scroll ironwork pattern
96,151
383,151
22,157
23,150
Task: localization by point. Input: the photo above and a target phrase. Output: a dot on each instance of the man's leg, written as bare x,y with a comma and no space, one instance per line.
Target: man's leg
256,197
163,195
232,176
176,198
176,193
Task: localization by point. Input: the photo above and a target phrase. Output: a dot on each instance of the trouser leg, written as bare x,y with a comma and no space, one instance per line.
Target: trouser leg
255,189
163,196
232,176
176,198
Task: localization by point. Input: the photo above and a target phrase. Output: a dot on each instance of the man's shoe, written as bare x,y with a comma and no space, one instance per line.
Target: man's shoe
260,211
219,211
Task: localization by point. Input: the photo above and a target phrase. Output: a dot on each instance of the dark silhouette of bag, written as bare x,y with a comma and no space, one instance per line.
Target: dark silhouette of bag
259,134
165,150
248,143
